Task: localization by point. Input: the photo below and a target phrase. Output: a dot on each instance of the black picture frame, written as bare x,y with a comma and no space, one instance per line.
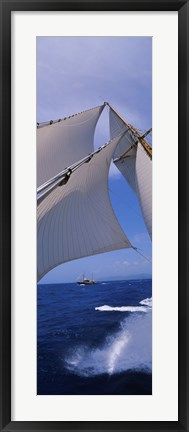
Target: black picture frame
6,7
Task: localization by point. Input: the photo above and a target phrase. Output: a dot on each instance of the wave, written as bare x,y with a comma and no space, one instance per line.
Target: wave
130,348
146,302
107,308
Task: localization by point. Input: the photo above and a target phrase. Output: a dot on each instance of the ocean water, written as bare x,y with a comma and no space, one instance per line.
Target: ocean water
96,339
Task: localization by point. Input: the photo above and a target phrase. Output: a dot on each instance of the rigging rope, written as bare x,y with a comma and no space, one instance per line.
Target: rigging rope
140,253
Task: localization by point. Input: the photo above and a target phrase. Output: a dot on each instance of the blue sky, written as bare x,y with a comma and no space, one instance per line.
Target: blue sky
77,73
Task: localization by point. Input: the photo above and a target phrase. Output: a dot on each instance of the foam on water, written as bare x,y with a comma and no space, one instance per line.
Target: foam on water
147,302
107,308
130,348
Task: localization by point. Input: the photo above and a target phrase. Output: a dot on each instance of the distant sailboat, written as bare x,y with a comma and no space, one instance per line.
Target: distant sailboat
75,218
86,281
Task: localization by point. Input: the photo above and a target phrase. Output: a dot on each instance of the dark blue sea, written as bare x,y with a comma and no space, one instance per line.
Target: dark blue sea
95,340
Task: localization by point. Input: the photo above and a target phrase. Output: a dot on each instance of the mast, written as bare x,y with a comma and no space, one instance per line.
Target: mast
144,143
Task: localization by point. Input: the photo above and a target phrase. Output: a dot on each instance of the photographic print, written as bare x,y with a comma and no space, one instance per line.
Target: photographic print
94,215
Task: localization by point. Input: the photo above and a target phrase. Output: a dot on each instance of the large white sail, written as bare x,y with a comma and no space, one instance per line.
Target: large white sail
77,220
135,164
116,125
64,142
144,185
127,167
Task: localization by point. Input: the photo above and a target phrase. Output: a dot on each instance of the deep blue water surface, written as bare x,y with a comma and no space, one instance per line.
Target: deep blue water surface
88,351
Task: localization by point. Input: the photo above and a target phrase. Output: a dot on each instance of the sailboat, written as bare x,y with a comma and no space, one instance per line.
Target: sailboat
75,218
87,281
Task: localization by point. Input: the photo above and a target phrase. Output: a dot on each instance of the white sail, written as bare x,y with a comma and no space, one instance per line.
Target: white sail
64,142
135,164
125,153
127,167
144,185
116,124
77,220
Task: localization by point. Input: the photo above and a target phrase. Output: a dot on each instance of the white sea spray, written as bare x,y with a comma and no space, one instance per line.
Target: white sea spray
130,348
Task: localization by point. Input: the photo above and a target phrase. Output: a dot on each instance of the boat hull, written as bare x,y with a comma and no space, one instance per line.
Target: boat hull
87,283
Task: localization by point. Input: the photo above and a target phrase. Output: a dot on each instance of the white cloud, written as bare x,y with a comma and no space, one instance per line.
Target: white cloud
141,238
